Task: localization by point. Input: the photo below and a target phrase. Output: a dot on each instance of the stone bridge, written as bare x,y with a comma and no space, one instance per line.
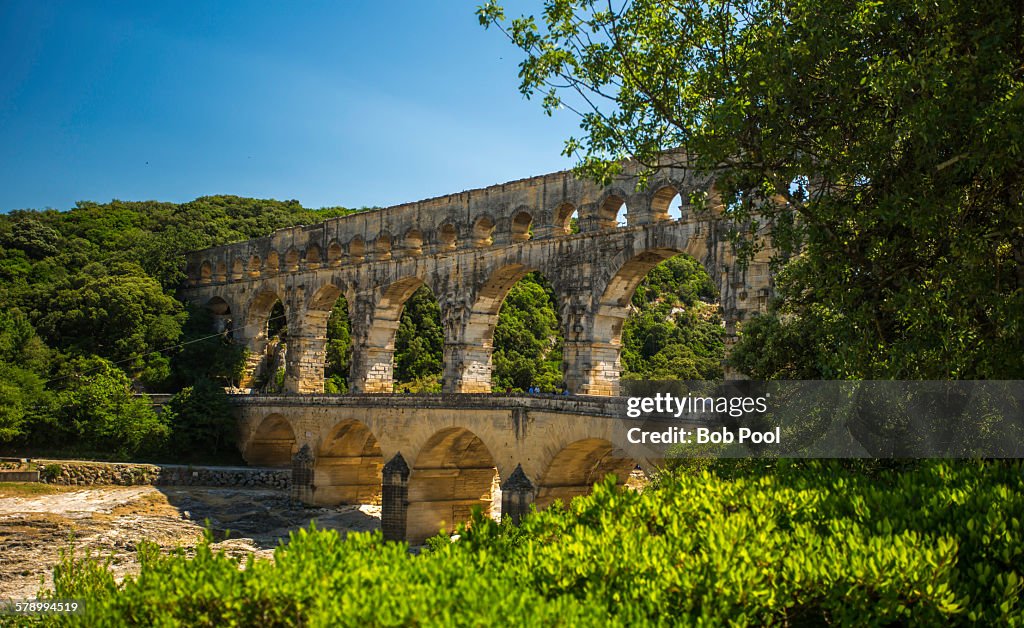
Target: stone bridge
429,459
469,249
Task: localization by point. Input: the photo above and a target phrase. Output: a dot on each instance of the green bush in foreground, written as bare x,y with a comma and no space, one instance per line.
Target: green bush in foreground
784,543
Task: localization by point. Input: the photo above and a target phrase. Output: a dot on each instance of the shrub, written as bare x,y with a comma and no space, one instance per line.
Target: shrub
806,543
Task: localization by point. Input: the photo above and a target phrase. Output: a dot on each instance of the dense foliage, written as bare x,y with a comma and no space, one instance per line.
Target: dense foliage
880,142
748,543
88,318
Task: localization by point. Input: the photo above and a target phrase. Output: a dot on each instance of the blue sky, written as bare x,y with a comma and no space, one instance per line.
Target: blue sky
331,103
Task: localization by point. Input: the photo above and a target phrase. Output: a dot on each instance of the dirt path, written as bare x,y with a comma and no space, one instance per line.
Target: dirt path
34,528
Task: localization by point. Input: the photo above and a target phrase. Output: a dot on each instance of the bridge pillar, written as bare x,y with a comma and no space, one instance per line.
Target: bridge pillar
467,368
394,505
592,368
517,493
302,476
304,364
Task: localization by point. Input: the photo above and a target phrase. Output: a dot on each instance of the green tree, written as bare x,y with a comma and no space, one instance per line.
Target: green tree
419,341
99,412
201,421
528,338
879,141
339,348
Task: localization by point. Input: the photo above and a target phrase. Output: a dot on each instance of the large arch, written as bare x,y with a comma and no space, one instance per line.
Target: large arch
348,466
258,312
327,304
454,471
273,444
223,318
614,307
577,466
376,371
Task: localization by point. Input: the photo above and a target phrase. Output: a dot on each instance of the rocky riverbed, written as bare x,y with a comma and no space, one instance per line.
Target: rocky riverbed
37,521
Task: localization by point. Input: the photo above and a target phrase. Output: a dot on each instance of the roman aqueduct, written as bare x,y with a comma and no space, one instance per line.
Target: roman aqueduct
429,458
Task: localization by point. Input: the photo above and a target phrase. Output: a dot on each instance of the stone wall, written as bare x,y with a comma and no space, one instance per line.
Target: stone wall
81,473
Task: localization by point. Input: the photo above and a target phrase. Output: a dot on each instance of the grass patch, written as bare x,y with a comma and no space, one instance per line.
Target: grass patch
31,489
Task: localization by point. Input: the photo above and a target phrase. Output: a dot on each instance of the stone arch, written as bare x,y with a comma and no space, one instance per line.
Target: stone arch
205,272
220,310
471,371
273,262
483,231
454,471
412,242
221,272
562,217
608,210
348,466
255,265
577,466
447,237
356,249
521,223
315,324
377,371
237,269
313,257
334,254
258,312
382,246
273,444
291,259
661,202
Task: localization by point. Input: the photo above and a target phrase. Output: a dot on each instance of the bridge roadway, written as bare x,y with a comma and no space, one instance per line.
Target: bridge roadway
429,458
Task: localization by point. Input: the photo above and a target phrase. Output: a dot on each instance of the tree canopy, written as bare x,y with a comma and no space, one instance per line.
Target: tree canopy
879,142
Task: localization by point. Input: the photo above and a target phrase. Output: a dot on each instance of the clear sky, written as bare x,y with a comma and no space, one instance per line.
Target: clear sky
347,103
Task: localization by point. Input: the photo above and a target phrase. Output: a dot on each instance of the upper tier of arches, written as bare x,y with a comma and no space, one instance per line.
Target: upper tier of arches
551,206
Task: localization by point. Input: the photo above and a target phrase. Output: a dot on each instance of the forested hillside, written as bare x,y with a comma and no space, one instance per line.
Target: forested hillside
87,315
89,318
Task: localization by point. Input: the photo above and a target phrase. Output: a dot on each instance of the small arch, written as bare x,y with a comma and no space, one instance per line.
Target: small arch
356,249
334,254
237,269
521,223
218,306
205,272
348,466
221,273
273,262
454,472
313,257
273,444
666,204
291,259
612,213
563,218
447,237
483,231
577,466
382,246
412,242
255,266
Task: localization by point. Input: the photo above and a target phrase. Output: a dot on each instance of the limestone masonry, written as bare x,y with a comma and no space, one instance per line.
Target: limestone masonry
470,248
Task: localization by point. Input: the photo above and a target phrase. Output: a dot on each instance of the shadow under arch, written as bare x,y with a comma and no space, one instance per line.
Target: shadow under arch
454,471
258,313
577,466
347,468
273,444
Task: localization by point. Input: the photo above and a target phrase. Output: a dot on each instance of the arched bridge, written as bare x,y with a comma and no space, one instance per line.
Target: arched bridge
469,249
